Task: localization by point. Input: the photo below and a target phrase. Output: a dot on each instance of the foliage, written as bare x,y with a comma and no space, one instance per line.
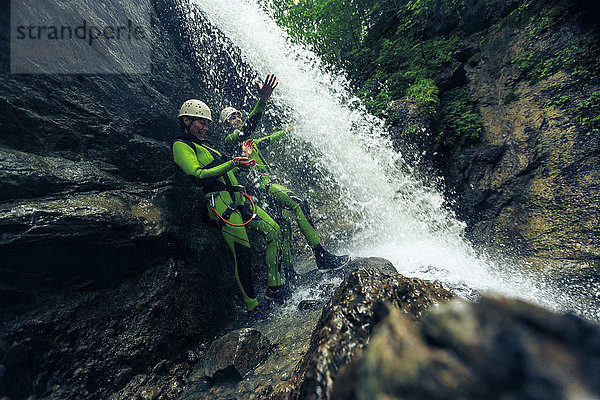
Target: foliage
461,123
425,94
333,28
588,112
548,19
389,47
416,15
580,57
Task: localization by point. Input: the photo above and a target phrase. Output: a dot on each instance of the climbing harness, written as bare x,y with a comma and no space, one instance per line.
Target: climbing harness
231,208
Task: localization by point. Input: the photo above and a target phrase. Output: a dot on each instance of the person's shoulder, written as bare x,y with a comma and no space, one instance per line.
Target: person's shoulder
180,143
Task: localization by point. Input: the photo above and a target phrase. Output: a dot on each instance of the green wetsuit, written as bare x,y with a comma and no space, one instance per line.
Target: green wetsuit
221,187
265,181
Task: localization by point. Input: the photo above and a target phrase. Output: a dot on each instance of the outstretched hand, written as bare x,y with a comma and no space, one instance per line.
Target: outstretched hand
265,91
247,147
244,162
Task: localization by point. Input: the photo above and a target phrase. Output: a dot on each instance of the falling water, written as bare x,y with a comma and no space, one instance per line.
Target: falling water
395,215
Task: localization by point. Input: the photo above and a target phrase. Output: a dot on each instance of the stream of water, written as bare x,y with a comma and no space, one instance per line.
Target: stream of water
394,215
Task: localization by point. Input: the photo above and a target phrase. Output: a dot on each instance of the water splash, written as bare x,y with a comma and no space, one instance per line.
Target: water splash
394,215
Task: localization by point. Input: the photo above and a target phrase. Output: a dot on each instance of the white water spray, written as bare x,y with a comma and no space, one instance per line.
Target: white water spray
400,219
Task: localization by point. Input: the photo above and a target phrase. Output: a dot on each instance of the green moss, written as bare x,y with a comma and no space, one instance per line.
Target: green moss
411,131
547,19
581,60
560,100
475,59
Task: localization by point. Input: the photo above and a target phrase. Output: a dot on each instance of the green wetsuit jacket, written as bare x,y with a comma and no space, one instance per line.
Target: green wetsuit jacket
204,162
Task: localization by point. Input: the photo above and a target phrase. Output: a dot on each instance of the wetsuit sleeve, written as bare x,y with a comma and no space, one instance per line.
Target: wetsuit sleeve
236,137
265,141
253,118
186,158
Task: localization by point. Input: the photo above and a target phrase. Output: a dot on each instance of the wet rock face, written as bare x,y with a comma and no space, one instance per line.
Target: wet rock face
496,348
106,266
234,355
93,341
531,184
347,321
58,216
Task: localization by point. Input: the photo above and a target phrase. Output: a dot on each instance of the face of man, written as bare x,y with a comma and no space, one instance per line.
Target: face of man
235,120
198,126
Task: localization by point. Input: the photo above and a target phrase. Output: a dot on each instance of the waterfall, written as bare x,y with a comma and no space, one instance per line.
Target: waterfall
392,213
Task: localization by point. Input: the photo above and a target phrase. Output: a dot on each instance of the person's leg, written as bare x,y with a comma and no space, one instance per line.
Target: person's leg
266,226
287,260
324,259
239,245
287,199
282,217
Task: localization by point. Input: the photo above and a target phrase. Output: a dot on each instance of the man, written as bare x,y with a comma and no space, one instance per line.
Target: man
227,204
266,182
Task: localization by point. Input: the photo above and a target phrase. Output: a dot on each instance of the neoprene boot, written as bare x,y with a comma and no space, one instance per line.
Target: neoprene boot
276,294
327,261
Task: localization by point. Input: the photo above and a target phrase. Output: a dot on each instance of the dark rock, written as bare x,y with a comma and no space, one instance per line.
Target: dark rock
160,367
233,356
15,355
309,304
497,348
466,53
480,14
54,237
475,16
345,326
453,77
412,134
370,263
122,378
26,175
105,262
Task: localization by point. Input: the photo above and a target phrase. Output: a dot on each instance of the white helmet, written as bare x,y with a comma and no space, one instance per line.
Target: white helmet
195,108
226,113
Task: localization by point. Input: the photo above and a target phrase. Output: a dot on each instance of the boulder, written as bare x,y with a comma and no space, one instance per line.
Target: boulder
346,322
496,348
234,355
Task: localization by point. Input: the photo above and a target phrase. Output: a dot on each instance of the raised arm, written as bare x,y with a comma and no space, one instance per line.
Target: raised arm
264,94
265,91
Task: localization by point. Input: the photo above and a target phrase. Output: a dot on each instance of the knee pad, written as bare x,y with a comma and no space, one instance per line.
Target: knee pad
298,202
274,234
